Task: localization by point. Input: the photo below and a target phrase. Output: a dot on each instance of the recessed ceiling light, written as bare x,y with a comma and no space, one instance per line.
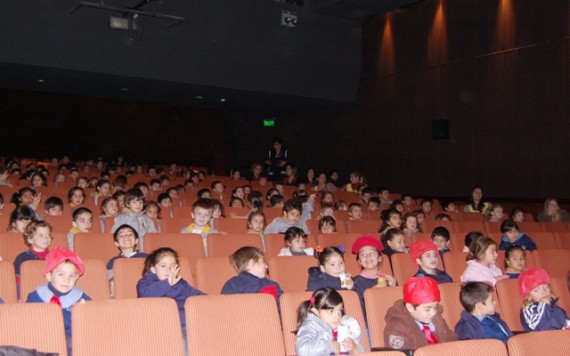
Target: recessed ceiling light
40,81
124,89
199,97
223,100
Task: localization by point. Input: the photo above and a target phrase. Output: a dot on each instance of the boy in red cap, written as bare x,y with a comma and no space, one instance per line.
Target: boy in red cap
63,269
539,310
416,320
425,254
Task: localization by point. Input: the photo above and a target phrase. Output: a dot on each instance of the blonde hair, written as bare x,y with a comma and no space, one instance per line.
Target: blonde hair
528,299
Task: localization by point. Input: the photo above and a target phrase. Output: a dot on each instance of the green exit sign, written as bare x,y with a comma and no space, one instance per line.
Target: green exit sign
269,122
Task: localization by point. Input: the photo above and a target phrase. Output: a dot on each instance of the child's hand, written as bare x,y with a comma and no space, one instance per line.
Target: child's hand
173,276
37,199
349,283
546,299
336,347
350,346
391,281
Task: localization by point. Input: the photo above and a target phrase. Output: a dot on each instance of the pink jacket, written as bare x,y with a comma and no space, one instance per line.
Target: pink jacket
477,272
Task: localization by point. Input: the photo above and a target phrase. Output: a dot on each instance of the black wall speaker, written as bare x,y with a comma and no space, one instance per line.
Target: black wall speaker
440,129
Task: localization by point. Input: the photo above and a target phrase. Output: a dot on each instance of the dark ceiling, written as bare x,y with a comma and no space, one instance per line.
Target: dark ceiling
29,76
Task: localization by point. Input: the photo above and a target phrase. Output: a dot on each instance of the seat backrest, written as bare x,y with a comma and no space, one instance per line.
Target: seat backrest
560,289
553,342
450,302
557,226
101,327
231,226
486,347
174,225
291,272
248,323
313,226
346,240
128,271
8,282
404,267
188,246
510,301
464,227
36,326
554,261
92,245
11,245
429,225
275,242
478,217
529,226
545,240
455,264
62,223
563,239
363,226
212,273
223,245
377,302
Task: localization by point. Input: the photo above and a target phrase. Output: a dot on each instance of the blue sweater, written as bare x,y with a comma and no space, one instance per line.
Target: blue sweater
439,276
152,287
543,316
27,255
246,282
490,327
318,279
523,241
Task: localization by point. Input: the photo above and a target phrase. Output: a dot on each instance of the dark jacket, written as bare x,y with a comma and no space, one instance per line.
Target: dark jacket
246,282
523,241
469,327
439,276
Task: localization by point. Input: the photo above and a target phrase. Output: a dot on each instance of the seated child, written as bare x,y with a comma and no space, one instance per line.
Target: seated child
53,206
326,210
469,238
201,215
322,327
480,320
495,214
327,225
373,204
295,239
76,197
539,310
276,201
294,214
481,261
394,242
256,223
331,270
82,221
426,206
37,237
109,209
410,226
20,218
354,211
368,255
341,205
416,320
425,254
249,262
161,279
391,219
442,217
512,237
126,239
63,269
440,237
515,261
134,215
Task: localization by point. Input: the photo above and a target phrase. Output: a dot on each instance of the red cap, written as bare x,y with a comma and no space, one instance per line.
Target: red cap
417,249
59,255
532,278
366,240
421,290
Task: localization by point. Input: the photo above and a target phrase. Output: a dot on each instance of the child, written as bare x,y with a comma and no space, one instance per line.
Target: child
218,189
152,210
295,239
134,216
76,197
294,214
356,182
341,205
480,320
425,253
416,320
82,221
394,242
440,237
384,196
27,197
512,237
161,279
368,255
373,204
354,211
20,218
236,202
331,271
469,238
53,206
102,190
391,219
515,261
517,214
249,262
37,237
321,324
410,226
109,209
63,269
442,217
539,310
201,215
495,214
276,201
126,239
256,223
327,225
327,210
481,261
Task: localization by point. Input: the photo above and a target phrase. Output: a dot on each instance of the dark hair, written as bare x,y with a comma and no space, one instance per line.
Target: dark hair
255,200
276,199
202,192
375,200
163,196
203,203
72,191
31,229
102,182
138,185
80,211
122,227
441,231
293,232
240,259
479,206
508,225
252,215
21,213
386,215
328,220
352,206
292,204
326,253
510,250
17,195
478,247
515,211
236,199
215,203
472,236
1,198
324,299
156,256
473,293
442,216
389,236
133,194
214,183
52,202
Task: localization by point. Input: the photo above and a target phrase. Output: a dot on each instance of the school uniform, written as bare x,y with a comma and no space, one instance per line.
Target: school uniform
319,279
543,316
111,263
315,337
279,225
486,327
152,287
140,222
204,232
246,282
288,252
439,276
28,255
523,241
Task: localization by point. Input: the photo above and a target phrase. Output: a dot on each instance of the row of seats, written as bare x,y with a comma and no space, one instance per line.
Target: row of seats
216,325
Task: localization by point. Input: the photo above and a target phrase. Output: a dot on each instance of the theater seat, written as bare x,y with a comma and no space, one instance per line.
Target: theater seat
554,342
488,347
